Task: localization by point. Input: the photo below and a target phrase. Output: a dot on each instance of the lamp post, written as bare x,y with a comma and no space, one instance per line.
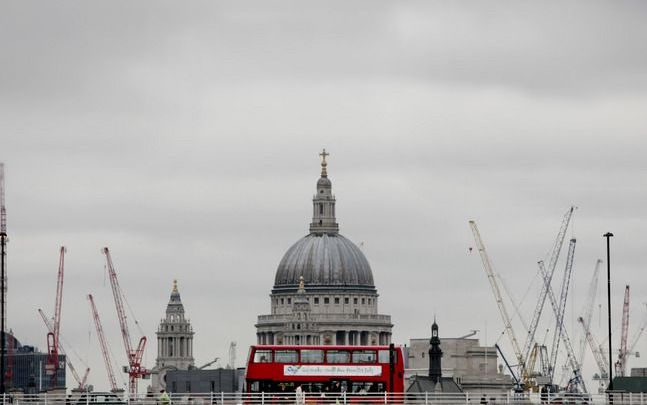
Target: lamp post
609,235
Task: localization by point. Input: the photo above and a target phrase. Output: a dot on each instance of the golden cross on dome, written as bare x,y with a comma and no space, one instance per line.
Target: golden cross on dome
323,155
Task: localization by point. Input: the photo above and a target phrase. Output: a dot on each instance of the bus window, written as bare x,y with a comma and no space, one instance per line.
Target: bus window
263,356
312,356
384,356
261,386
285,356
364,356
338,356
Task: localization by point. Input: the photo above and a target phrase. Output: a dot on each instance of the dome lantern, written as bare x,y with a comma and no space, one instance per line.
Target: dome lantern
323,203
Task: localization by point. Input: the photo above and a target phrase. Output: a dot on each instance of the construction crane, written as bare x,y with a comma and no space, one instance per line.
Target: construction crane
487,266
598,356
54,333
232,355
104,345
61,350
202,367
11,351
636,338
3,281
589,306
512,301
517,383
575,366
621,364
559,325
135,369
557,247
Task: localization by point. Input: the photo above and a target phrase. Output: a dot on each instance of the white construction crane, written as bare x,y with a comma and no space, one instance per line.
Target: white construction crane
559,316
548,277
514,303
202,367
598,355
487,266
621,364
589,306
232,355
575,366
636,338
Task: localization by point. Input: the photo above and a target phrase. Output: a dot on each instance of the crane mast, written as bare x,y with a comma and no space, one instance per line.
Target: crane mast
589,306
621,364
517,310
232,355
559,326
53,335
135,368
497,296
3,281
575,366
636,338
557,247
598,356
61,350
103,343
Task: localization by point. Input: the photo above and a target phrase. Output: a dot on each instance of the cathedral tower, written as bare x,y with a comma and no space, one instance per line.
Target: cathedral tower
174,341
323,288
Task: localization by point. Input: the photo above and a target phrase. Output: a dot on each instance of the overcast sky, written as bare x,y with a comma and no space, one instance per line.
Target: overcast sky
185,136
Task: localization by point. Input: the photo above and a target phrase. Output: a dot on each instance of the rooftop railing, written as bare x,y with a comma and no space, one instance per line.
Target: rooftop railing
283,398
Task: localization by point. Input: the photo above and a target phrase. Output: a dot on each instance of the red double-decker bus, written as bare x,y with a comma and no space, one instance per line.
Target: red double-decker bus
323,369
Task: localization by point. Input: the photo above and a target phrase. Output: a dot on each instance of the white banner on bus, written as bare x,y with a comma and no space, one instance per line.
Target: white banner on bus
341,371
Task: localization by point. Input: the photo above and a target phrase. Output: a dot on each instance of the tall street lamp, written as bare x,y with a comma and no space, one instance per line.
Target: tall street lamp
609,235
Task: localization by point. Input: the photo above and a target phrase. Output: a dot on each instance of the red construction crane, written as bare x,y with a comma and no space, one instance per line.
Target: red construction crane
79,380
135,368
11,349
104,345
53,334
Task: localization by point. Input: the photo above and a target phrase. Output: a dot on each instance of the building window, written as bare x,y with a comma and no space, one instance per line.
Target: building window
355,301
326,300
321,208
289,301
316,300
346,300
336,300
282,301
363,301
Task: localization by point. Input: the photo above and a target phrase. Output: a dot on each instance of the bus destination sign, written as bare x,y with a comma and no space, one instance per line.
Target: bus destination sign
328,370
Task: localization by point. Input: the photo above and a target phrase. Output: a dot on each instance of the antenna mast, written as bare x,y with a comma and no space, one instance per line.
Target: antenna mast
3,280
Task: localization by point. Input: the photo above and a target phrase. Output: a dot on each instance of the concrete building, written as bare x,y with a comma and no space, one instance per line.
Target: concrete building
202,381
174,342
323,289
474,368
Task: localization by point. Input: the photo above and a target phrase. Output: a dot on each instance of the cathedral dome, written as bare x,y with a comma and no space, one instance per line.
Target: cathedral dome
325,261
